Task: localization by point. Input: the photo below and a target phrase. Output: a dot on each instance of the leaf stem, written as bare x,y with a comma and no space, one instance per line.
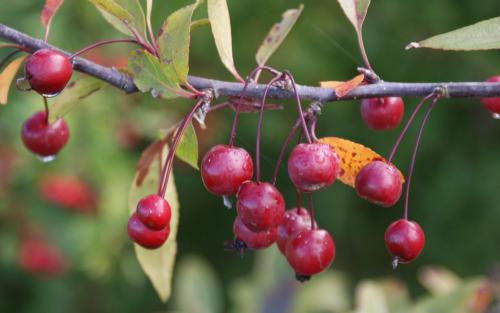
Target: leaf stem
414,154
105,42
362,49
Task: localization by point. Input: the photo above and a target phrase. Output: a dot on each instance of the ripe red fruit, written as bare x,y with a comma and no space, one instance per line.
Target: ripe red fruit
492,104
68,192
382,113
39,257
405,240
312,166
380,183
260,206
225,168
48,71
154,212
254,240
310,252
42,138
295,220
145,237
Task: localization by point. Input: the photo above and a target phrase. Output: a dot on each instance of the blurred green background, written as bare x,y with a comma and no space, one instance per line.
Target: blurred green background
454,193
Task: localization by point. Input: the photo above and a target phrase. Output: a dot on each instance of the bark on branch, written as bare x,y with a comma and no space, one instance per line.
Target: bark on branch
223,88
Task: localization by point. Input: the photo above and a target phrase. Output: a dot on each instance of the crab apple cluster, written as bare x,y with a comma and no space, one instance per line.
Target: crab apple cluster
382,113
47,72
149,225
492,104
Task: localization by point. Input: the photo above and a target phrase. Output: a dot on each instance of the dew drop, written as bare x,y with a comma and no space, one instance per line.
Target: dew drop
46,159
22,84
52,95
227,202
496,116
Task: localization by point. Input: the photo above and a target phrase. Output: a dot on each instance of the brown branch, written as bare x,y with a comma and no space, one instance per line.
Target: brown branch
222,88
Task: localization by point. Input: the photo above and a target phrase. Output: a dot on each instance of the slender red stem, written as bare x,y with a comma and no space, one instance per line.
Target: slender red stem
414,155
281,155
311,209
175,142
313,129
243,94
105,42
46,106
407,125
299,204
259,126
299,107
141,41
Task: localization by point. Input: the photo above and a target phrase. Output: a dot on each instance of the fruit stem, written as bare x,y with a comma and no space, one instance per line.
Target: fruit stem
289,137
299,204
407,125
243,94
311,209
106,42
313,129
414,155
259,125
299,106
167,169
46,106
8,57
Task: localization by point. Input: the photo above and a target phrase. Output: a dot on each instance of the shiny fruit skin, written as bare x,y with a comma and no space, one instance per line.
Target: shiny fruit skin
405,240
260,206
295,220
225,168
382,113
492,104
154,212
145,237
379,182
254,240
310,251
44,139
312,166
48,71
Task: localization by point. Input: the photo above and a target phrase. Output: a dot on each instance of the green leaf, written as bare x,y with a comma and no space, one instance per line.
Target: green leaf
277,34
174,40
72,95
484,35
151,75
121,13
158,264
218,14
196,279
355,10
187,150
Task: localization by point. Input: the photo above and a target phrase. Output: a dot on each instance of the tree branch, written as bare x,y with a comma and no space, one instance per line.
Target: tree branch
222,88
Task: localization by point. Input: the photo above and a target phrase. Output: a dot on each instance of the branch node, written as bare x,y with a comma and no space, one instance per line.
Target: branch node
370,76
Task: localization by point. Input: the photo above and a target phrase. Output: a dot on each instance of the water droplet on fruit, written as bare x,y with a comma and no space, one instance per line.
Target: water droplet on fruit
46,159
496,116
227,202
52,95
22,84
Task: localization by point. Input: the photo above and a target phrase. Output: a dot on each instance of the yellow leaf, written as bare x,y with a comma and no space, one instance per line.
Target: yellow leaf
158,264
343,88
7,76
353,157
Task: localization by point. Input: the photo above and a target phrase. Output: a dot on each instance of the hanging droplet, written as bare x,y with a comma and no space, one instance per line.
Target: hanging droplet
496,116
50,95
23,84
227,202
46,159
